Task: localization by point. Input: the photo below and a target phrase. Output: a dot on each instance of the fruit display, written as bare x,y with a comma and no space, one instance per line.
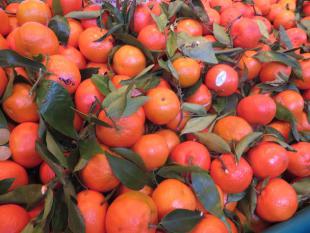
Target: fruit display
159,116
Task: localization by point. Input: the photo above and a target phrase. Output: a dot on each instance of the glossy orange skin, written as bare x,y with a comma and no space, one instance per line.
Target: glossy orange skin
93,208
21,106
188,71
171,138
10,42
257,109
103,68
263,5
163,105
131,212
75,31
284,128
5,26
142,18
234,177
98,175
270,70
12,7
229,15
297,36
232,128
286,19
249,64
95,51
128,60
201,96
34,38
277,201
268,159
3,81
77,122
292,100
10,169
210,224
129,130
275,9
302,122
64,72
190,153
74,55
222,79
22,144
146,190
13,218
246,33
190,26
86,95
179,122
299,162
33,11
3,43
152,38
223,4
172,194
68,5
305,83
153,150
87,23
46,173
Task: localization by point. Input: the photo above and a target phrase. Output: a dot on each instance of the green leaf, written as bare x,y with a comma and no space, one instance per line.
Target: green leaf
262,28
225,104
130,155
130,14
127,172
56,107
272,56
57,9
75,219
197,48
9,87
5,184
102,83
3,121
248,203
131,40
213,142
283,114
83,14
112,30
9,58
246,143
284,38
207,192
198,124
176,171
60,26
172,70
180,221
171,45
133,104
175,7
161,21
194,108
50,160
115,102
88,72
59,219
221,35
234,197
54,148
27,195
302,186
88,148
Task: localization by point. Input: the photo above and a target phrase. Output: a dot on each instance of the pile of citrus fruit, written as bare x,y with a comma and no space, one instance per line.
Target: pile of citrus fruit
153,116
